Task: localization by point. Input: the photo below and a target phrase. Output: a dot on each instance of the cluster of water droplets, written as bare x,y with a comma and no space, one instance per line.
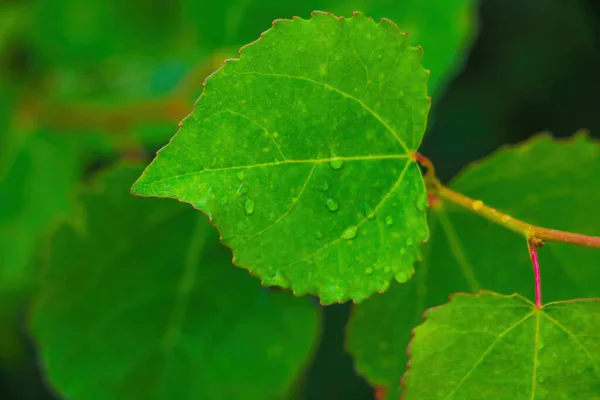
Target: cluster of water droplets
349,233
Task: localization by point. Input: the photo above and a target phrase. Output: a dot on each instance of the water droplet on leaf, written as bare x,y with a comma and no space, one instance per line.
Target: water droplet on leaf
350,232
240,175
324,187
409,241
403,277
332,204
541,379
540,345
369,270
249,206
336,163
319,235
386,269
389,220
242,189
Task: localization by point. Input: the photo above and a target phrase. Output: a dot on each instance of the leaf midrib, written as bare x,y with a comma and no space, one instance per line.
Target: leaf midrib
277,163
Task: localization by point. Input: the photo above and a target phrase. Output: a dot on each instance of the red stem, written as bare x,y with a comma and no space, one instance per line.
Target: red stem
536,270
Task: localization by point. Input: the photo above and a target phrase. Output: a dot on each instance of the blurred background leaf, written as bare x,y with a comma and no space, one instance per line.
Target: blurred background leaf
83,84
158,311
445,29
535,182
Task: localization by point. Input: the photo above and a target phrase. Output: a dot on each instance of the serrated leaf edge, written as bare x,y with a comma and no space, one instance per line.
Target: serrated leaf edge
535,308
134,192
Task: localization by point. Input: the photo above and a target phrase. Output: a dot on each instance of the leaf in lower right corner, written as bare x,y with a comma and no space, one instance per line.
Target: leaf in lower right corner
536,181
492,346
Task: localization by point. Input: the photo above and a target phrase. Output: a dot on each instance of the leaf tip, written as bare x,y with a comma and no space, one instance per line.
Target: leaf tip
137,189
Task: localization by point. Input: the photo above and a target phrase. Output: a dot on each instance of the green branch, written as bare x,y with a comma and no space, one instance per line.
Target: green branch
533,234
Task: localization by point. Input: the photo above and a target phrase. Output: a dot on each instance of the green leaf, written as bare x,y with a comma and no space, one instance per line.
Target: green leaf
544,181
13,341
301,153
144,303
445,29
503,347
37,175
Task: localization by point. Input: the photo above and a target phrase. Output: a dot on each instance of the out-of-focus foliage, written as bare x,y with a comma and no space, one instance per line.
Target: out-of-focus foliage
159,311
35,193
536,182
85,83
445,29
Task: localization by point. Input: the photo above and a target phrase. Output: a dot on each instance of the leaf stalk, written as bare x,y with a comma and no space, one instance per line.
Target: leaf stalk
533,246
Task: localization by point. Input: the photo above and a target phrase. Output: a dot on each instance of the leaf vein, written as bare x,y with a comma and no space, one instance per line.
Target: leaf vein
269,134
341,92
277,163
577,342
487,351
287,212
535,354
360,222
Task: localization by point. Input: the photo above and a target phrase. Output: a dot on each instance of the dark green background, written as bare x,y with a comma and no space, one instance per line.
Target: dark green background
533,67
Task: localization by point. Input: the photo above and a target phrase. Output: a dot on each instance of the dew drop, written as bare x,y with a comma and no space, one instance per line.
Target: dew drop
242,189
386,269
409,241
324,187
350,232
541,379
240,175
319,235
477,205
402,277
294,199
389,220
422,203
336,163
369,212
332,204
540,345
249,206
369,270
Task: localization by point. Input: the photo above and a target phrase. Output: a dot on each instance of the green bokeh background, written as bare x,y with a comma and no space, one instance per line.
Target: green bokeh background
83,84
